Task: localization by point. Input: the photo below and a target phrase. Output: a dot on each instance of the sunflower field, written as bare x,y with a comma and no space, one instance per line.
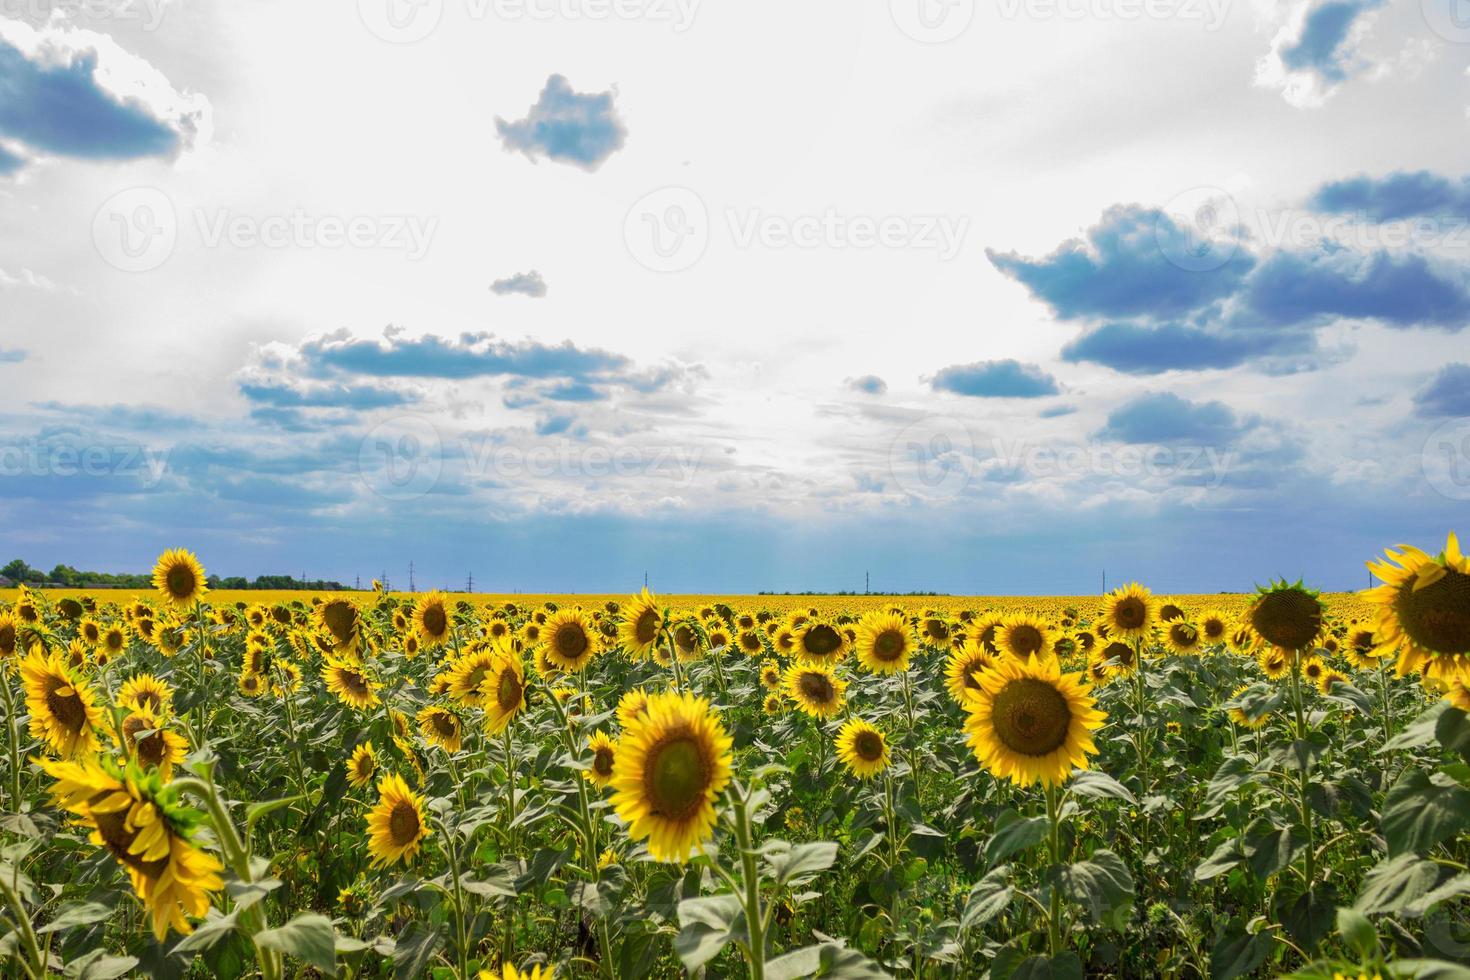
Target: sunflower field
205,784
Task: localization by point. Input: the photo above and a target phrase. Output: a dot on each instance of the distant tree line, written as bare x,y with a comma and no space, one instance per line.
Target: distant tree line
70,578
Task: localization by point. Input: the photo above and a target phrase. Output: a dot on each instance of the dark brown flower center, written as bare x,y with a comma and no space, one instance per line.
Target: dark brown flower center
570,642
180,581
818,687
675,776
888,646
1130,613
1031,717
1288,618
1437,617
403,823
868,746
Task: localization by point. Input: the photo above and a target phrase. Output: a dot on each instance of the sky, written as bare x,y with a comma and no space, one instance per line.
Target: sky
978,298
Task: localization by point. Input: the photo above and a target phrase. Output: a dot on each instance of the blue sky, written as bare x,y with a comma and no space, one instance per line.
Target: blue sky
972,297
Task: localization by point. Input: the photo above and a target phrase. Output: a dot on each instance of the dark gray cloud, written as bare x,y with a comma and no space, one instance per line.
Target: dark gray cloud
522,283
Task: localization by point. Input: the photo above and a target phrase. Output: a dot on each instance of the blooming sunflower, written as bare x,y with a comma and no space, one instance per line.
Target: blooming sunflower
820,642
570,639
441,727
1275,662
671,766
772,704
770,675
1287,615
1422,610
1024,636
884,642
934,630
62,707
179,578
114,641
89,631
962,672
431,620
1213,627
1121,658
464,678
1181,637
508,972
604,752
251,684
341,620
642,622
395,826
1032,723
363,765
1313,669
862,748
503,691
750,643
147,740
138,819
350,683
984,630
1130,612
1362,649
631,706
1238,715
815,689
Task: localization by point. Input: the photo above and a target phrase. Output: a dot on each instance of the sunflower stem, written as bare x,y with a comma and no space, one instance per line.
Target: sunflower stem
34,963
1387,722
1305,778
14,739
461,933
750,877
1054,916
913,746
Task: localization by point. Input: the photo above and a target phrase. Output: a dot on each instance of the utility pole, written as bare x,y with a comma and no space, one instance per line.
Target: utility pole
410,578
357,583
867,581
1105,582
470,585
645,580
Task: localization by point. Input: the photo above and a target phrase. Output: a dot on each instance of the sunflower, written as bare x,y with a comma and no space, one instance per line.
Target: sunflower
772,704
89,631
1329,679
1024,636
962,672
687,643
1030,722
1181,637
1130,612
179,578
604,752
363,765
114,641
1275,662
1313,669
395,826
1287,615
503,691
465,676
770,675
1244,641
343,623
1121,658
783,638
671,766
632,706
884,642
863,748
934,630
63,710
431,620
1458,693
820,642
251,684
138,819
569,639
441,727
983,631
1422,610
716,635
350,683
1098,671
1238,715
1213,627
750,643
508,972
642,622
815,689
1361,649
145,738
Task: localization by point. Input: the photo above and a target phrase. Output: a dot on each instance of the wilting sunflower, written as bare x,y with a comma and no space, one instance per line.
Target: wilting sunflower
1287,615
441,727
570,639
146,738
1024,636
396,825
138,819
63,710
431,620
350,683
642,622
671,766
363,765
340,618
1213,628
179,578
604,752
631,706
962,672
820,642
1181,637
815,689
503,691
1275,662
1030,722
1423,610
1130,612
1239,716
885,642
862,748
